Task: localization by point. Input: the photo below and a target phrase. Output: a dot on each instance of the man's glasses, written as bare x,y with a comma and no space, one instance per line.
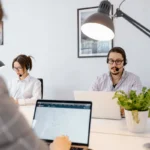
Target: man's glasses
117,62
17,68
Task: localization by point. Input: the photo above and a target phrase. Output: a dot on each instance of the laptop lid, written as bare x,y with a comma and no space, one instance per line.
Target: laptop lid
55,118
103,104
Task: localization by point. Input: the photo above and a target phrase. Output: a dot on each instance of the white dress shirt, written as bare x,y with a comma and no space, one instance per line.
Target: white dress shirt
128,81
26,91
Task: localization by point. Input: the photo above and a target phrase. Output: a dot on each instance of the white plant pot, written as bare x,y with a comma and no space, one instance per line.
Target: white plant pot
132,125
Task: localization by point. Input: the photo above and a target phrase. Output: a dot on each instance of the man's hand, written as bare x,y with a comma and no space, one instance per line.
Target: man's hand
61,143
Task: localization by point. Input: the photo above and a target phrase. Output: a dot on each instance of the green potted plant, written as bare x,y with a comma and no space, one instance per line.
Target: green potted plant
137,108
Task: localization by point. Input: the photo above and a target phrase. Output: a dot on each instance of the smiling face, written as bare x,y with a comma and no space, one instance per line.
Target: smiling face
115,61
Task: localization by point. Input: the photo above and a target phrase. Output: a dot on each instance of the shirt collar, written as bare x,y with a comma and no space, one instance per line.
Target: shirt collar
123,75
26,79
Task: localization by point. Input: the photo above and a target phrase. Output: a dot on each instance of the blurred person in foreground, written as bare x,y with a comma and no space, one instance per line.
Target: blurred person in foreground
15,133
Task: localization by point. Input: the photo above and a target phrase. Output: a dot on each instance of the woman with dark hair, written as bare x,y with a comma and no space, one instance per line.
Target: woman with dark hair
25,89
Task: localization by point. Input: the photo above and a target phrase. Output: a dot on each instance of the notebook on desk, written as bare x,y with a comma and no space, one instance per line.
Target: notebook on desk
55,118
103,104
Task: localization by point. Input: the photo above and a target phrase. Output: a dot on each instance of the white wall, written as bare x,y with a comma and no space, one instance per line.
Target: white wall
47,30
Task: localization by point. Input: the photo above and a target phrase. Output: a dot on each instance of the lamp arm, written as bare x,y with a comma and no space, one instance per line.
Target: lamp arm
142,28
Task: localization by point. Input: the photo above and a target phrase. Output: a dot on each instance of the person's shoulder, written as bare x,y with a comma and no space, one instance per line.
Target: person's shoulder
14,80
34,79
132,75
102,77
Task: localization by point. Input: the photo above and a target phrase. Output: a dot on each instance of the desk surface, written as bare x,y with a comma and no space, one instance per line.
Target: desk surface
28,112
107,134
116,127
100,141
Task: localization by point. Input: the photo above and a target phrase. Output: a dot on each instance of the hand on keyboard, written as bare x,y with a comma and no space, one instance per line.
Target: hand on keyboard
61,143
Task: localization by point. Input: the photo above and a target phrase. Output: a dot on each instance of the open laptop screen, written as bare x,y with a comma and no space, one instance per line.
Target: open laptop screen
56,118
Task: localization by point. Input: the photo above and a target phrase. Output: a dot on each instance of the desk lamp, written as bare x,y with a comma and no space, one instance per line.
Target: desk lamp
99,26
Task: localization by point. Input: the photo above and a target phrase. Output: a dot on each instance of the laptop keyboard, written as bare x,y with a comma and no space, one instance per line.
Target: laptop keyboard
76,148
72,148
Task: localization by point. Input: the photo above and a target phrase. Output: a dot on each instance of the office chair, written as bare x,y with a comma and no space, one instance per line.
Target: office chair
41,80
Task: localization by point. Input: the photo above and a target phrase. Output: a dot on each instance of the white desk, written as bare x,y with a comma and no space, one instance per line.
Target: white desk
28,112
116,142
107,134
117,127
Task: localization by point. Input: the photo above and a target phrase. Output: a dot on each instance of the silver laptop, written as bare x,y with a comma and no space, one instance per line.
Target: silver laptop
54,118
103,104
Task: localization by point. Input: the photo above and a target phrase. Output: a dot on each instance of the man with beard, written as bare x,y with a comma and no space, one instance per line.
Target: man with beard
117,78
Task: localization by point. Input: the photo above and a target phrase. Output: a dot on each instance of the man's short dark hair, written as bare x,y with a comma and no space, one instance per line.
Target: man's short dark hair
120,51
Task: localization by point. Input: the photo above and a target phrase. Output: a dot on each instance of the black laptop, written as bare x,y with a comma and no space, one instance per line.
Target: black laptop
54,118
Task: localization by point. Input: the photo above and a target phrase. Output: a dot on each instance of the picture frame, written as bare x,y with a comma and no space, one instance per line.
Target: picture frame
1,33
87,47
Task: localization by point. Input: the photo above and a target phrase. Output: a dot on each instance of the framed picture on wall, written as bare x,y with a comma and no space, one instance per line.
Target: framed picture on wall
88,47
1,33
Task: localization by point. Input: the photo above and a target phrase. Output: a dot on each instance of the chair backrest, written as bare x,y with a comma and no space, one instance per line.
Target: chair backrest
41,87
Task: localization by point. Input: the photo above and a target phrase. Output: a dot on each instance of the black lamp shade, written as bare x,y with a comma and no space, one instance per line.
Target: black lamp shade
99,26
1,64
